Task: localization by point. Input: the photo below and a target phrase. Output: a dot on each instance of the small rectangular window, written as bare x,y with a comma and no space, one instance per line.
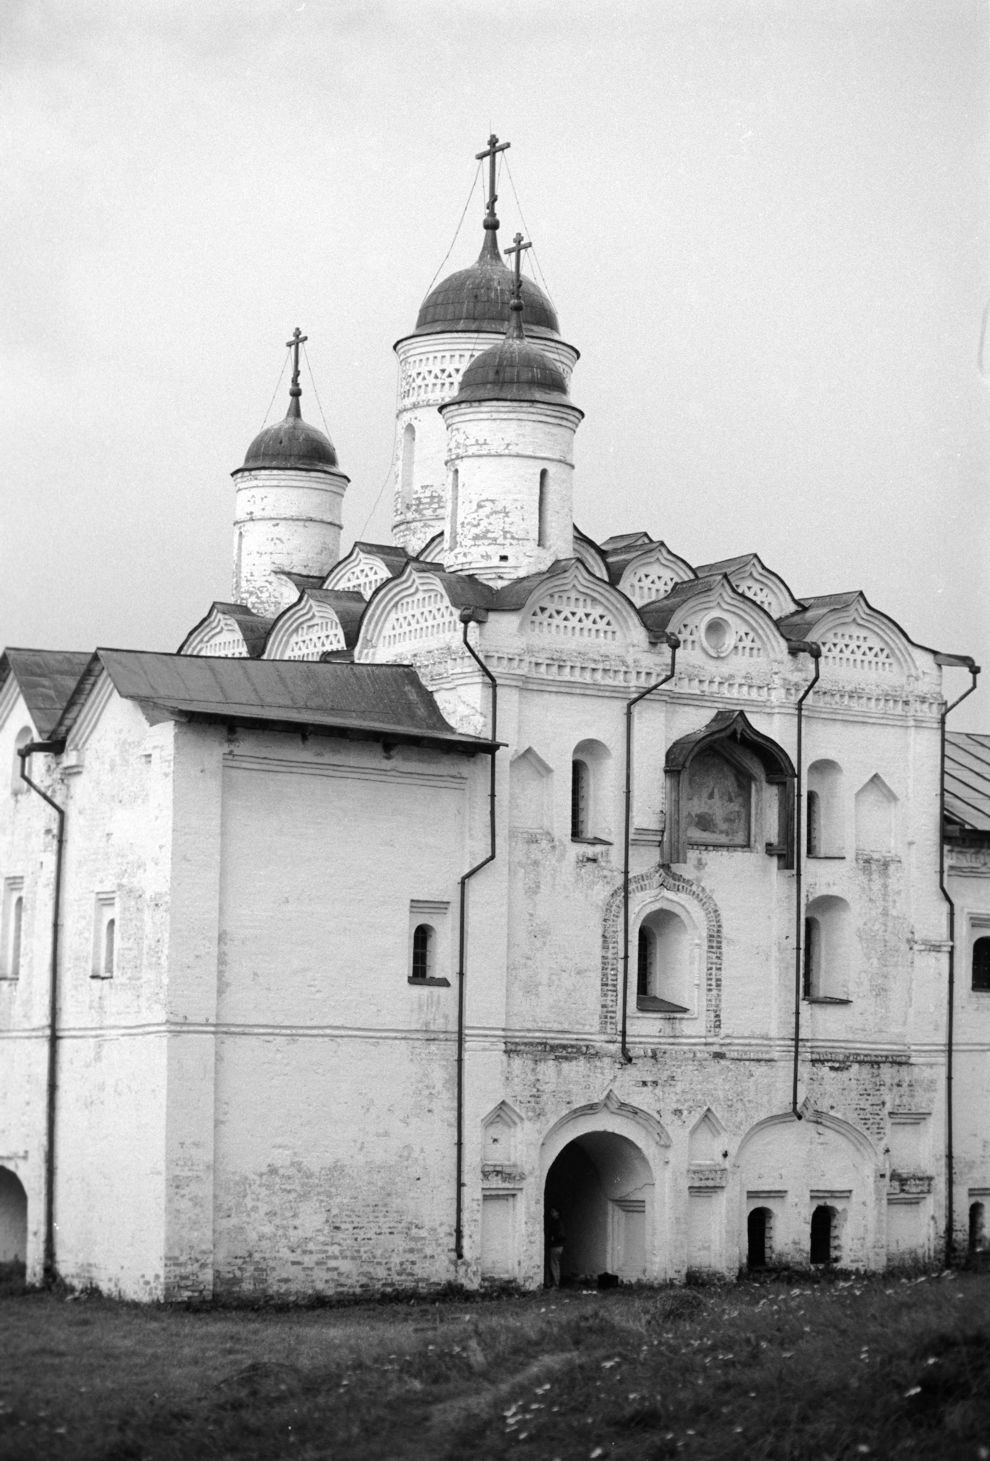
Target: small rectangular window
981,959
105,941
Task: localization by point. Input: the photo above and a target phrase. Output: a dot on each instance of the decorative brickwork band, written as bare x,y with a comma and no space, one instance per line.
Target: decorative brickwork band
660,879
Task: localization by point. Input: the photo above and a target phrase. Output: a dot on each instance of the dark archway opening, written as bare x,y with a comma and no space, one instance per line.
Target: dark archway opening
13,1221
602,1187
759,1226
977,1231
822,1234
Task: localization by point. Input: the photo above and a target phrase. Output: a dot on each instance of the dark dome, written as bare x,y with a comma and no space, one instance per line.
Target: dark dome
291,444
478,299
513,370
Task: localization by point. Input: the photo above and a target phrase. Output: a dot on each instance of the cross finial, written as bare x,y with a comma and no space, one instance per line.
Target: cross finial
491,152
295,391
517,250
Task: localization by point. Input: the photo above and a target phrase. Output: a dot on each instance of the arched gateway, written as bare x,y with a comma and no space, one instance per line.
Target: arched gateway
13,1218
599,1166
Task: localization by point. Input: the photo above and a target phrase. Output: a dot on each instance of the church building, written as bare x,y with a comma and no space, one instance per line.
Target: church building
488,871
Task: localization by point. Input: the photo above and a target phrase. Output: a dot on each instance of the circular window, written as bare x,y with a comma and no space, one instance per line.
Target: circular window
717,635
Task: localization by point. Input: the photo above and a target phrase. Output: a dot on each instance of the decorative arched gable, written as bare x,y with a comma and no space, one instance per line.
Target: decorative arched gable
610,1114
720,624
409,614
361,571
305,630
653,573
810,1117
859,642
645,888
730,733
752,578
574,609
590,554
220,635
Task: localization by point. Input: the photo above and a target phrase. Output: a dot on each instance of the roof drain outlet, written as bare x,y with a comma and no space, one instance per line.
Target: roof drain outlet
672,641
470,616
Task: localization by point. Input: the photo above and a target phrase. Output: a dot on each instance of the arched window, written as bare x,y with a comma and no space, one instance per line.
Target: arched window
455,484
759,1236
408,462
544,509
824,810
977,1227
981,963
824,1238
590,792
16,936
664,963
23,738
828,950
423,951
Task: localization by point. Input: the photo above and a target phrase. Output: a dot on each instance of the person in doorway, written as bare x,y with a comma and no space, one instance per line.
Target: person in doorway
555,1246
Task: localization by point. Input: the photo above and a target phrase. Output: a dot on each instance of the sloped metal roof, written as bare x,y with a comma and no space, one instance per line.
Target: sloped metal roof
967,780
46,679
380,701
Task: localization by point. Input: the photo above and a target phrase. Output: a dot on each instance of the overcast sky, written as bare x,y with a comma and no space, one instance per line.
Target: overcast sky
764,223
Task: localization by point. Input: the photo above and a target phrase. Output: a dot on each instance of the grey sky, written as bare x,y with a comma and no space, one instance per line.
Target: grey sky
764,224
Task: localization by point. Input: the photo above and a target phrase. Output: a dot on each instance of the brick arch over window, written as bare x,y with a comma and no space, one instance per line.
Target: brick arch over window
658,880
730,733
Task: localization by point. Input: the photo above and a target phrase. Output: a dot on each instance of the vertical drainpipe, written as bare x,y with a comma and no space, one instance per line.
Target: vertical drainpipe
674,644
800,646
961,661
56,747
470,616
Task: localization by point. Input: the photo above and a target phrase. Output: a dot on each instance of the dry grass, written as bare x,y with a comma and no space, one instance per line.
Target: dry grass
798,1370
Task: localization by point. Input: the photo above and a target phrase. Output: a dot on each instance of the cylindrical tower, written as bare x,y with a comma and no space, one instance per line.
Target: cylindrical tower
510,462
287,514
462,316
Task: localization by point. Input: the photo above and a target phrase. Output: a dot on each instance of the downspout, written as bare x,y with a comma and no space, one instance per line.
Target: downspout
470,616
800,646
56,747
674,644
965,662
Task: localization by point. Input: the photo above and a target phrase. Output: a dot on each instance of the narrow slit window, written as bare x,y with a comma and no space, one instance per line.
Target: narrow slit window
814,845
109,947
422,952
580,788
544,509
981,963
16,935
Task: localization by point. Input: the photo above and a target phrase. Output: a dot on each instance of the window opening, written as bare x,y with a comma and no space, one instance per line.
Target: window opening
408,455
814,845
646,960
422,951
759,1227
109,943
981,963
580,787
812,956
977,1230
822,1234
16,929
454,490
544,509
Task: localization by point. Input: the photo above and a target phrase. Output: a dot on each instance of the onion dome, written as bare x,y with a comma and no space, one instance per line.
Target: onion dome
292,444
478,298
513,370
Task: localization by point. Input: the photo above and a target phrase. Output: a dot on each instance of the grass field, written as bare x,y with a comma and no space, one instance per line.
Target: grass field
795,1369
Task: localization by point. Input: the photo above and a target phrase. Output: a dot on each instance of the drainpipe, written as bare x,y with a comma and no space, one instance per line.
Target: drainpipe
962,662
800,646
674,644
470,616
56,748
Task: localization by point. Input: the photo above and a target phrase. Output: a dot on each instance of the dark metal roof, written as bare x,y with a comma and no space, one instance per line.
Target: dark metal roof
618,541
657,615
382,702
513,370
254,627
46,679
801,625
478,299
291,444
732,725
347,604
967,780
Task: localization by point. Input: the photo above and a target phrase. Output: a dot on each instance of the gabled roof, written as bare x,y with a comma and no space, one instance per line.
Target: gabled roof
347,604
46,679
967,781
253,627
365,701
801,624
657,616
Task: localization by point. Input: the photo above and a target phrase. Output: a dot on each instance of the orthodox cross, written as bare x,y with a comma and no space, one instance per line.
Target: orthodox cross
517,249
491,151
298,338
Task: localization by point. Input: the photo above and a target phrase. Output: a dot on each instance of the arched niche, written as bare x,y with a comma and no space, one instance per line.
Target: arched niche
530,782
13,1218
875,817
824,810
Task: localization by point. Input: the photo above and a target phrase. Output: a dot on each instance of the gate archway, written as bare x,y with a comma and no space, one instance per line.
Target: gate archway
602,1185
13,1218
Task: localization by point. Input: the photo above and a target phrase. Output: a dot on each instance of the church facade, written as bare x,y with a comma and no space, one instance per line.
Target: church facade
493,870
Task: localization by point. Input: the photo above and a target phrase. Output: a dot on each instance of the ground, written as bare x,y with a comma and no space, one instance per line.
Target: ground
786,1368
